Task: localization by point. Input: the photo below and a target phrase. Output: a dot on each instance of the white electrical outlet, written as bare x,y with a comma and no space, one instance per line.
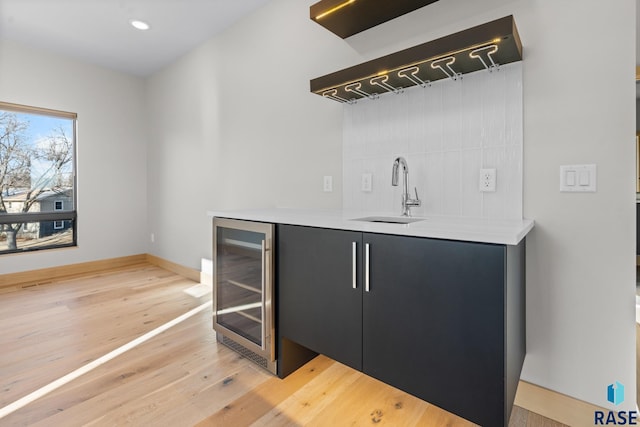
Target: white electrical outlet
328,184
366,182
487,180
152,238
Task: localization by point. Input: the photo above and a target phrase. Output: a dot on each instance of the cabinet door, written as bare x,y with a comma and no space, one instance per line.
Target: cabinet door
318,305
433,322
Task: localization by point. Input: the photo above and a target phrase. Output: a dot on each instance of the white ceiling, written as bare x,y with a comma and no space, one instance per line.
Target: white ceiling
98,31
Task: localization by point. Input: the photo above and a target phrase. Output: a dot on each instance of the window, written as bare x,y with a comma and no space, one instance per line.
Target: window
37,178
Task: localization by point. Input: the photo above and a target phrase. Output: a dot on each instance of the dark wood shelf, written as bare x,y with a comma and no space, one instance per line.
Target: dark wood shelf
348,17
420,62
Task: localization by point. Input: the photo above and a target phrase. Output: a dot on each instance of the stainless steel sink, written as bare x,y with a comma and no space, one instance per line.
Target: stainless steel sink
390,219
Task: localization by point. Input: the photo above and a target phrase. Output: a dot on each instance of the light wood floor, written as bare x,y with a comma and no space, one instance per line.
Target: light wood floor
182,377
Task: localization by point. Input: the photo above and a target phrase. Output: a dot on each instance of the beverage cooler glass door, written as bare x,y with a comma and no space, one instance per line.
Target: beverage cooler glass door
243,277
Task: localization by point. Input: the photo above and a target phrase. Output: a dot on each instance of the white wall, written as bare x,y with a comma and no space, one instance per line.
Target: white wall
234,126
581,256
111,151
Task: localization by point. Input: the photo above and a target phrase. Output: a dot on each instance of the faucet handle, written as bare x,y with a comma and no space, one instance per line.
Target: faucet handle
416,201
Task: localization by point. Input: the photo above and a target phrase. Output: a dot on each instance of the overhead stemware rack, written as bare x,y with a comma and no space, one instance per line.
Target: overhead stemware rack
485,46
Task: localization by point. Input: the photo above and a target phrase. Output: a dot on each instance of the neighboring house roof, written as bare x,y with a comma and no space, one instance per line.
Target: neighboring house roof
21,196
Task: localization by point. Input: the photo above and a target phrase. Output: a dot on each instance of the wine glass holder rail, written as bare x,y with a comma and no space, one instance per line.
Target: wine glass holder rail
486,46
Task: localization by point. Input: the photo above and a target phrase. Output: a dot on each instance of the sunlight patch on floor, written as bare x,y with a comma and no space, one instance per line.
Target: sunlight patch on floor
198,290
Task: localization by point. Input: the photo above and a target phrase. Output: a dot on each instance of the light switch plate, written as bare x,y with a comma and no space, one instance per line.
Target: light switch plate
578,178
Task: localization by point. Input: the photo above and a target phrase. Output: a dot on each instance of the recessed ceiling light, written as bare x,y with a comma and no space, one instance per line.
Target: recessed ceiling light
140,25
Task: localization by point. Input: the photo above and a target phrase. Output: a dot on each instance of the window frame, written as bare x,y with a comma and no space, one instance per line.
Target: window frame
55,215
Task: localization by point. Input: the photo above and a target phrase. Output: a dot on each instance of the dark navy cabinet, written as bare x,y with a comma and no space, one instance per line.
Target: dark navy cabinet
318,306
440,319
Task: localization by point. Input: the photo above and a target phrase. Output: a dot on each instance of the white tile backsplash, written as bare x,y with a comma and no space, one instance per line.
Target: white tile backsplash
432,122
447,132
432,191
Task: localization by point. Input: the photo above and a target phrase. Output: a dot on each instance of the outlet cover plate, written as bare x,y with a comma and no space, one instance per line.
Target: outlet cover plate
328,183
366,182
487,180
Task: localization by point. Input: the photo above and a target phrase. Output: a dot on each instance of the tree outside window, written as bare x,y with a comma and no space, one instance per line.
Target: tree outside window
37,178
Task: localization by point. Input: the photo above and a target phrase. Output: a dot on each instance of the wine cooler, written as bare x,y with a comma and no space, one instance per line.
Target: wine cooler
243,311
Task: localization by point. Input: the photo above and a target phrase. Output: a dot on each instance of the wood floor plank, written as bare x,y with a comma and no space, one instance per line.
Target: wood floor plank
310,400
83,323
155,377
367,401
181,377
518,417
535,420
436,417
252,406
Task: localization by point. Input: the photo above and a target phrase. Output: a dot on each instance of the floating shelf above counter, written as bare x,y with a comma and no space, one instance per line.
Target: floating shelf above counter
345,18
486,46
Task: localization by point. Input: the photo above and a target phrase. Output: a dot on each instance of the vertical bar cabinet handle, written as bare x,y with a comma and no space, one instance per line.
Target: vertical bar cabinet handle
366,267
263,325
354,262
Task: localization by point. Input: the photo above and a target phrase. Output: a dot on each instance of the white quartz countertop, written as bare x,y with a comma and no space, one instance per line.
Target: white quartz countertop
505,232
